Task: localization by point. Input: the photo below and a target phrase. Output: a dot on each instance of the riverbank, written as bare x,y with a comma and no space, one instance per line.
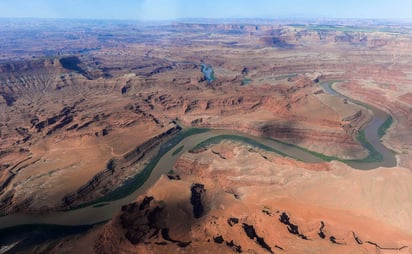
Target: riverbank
104,208
370,136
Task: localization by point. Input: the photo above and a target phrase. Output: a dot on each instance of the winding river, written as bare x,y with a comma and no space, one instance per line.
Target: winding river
105,211
371,134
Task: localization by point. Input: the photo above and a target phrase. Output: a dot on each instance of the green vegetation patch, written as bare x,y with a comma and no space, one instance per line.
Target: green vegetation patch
245,81
291,75
385,126
218,139
100,205
208,71
316,154
374,156
330,85
178,150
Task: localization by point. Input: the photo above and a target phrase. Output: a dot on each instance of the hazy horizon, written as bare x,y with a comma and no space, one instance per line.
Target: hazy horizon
152,10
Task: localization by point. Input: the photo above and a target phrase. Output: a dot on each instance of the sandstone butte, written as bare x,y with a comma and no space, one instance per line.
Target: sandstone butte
75,125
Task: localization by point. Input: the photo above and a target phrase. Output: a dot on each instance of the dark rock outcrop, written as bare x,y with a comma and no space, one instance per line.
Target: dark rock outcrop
321,233
385,248
145,203
166,236
232,221
234,247
333,239
9,98
115,168
197,190
357,239
72,63
292,228
251,233
173,177
57,122
137,222
218,239
140,221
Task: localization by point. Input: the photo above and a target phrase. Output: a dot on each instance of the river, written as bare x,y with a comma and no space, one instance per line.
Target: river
371,134
96,214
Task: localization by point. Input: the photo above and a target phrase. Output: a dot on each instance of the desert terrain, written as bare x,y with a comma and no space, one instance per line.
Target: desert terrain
201,137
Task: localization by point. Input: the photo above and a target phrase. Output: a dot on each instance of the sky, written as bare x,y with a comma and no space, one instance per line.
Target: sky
214,9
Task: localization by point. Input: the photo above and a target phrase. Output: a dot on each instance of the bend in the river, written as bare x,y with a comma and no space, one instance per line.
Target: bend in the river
371,132
98,213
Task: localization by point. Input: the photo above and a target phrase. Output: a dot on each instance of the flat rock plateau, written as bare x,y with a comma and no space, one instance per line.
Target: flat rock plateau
85,106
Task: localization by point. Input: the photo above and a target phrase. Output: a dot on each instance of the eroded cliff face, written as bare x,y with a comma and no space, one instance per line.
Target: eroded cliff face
397,137
295,114
117,169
